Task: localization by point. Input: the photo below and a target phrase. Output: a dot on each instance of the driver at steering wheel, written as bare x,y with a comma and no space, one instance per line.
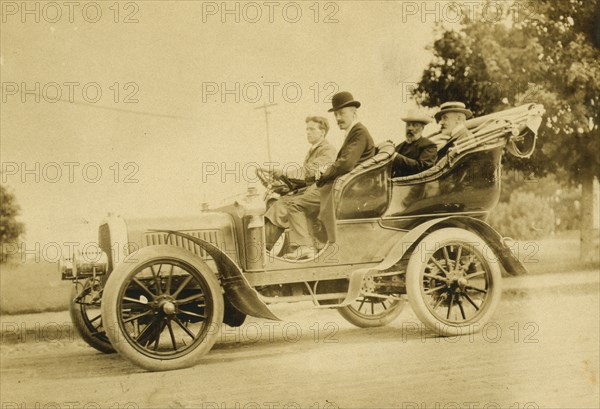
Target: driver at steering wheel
320,155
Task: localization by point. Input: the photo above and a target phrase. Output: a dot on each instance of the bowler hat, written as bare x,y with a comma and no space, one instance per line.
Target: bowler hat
453,106
343,99
416,116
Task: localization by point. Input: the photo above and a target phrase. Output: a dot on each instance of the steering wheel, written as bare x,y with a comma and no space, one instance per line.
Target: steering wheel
280,184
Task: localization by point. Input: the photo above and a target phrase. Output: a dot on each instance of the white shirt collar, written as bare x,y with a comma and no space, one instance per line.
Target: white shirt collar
350,127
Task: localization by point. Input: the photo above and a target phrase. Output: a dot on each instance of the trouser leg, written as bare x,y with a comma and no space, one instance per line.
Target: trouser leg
304,205
272,234
276,220
278,212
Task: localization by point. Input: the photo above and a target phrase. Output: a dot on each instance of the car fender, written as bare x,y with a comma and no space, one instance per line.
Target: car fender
511,264
237,289
493,239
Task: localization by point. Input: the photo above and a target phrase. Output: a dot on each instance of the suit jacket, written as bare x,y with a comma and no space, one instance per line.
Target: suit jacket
323,154
444,142
357,147
412,158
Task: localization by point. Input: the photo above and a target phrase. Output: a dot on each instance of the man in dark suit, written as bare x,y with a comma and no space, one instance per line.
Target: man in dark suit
358,146
416,153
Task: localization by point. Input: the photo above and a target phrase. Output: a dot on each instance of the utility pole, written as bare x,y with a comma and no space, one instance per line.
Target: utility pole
265,106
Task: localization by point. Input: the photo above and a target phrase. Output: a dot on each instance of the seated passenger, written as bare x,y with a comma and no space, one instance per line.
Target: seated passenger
358,146
452,117
416,153
320,154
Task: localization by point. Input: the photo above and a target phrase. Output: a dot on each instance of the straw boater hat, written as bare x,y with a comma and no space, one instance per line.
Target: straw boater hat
453,106
343,99
417,116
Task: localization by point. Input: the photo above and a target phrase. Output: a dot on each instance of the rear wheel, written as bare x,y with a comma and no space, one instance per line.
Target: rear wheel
453,282
368,312
163,308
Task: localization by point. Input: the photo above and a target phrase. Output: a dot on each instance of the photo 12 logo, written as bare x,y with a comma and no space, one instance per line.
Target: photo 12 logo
269,12
467,405
69,405
490,332
34,332
456,11
291,332
70,172
269,405
254,92
69,11
70,91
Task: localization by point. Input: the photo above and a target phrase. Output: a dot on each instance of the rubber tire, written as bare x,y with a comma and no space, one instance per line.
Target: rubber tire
416,266
110,307
82,329
351,315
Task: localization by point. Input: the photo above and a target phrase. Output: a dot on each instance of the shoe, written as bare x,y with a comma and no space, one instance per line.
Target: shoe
301,253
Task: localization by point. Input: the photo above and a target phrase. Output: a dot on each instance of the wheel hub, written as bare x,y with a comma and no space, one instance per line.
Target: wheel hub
456,280
167,306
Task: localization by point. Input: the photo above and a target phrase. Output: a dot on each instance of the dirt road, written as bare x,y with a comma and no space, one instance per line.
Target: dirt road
541,351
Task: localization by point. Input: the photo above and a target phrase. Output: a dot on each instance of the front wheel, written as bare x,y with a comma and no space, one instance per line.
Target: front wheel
453,282
162,308
84,309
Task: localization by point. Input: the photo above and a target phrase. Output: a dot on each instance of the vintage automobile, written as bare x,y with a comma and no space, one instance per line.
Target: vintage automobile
160,289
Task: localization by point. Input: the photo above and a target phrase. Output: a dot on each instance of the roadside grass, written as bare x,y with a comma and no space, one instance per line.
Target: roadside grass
32,287
559,253
36,287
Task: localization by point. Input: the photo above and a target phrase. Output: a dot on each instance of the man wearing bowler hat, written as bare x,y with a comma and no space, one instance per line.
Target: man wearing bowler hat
358,146
452,117
416,153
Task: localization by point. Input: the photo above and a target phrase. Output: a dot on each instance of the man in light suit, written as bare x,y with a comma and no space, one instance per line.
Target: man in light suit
358,146
320,155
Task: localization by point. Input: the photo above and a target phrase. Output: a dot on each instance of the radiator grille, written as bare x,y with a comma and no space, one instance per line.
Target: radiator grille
211,236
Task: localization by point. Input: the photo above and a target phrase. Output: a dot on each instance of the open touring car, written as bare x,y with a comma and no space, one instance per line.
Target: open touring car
421,238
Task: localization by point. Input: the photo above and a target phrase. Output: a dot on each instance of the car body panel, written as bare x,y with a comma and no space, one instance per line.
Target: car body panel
375,220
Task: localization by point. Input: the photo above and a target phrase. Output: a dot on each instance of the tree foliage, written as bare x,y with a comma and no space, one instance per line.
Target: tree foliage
549,57
10,228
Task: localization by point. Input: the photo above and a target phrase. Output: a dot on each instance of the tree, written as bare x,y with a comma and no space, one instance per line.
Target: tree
550,56
10,228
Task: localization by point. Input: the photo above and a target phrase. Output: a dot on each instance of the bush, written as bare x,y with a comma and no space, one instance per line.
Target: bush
563,198
10,228
525,217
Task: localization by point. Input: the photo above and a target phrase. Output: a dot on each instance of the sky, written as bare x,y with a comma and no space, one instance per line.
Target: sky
149,108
